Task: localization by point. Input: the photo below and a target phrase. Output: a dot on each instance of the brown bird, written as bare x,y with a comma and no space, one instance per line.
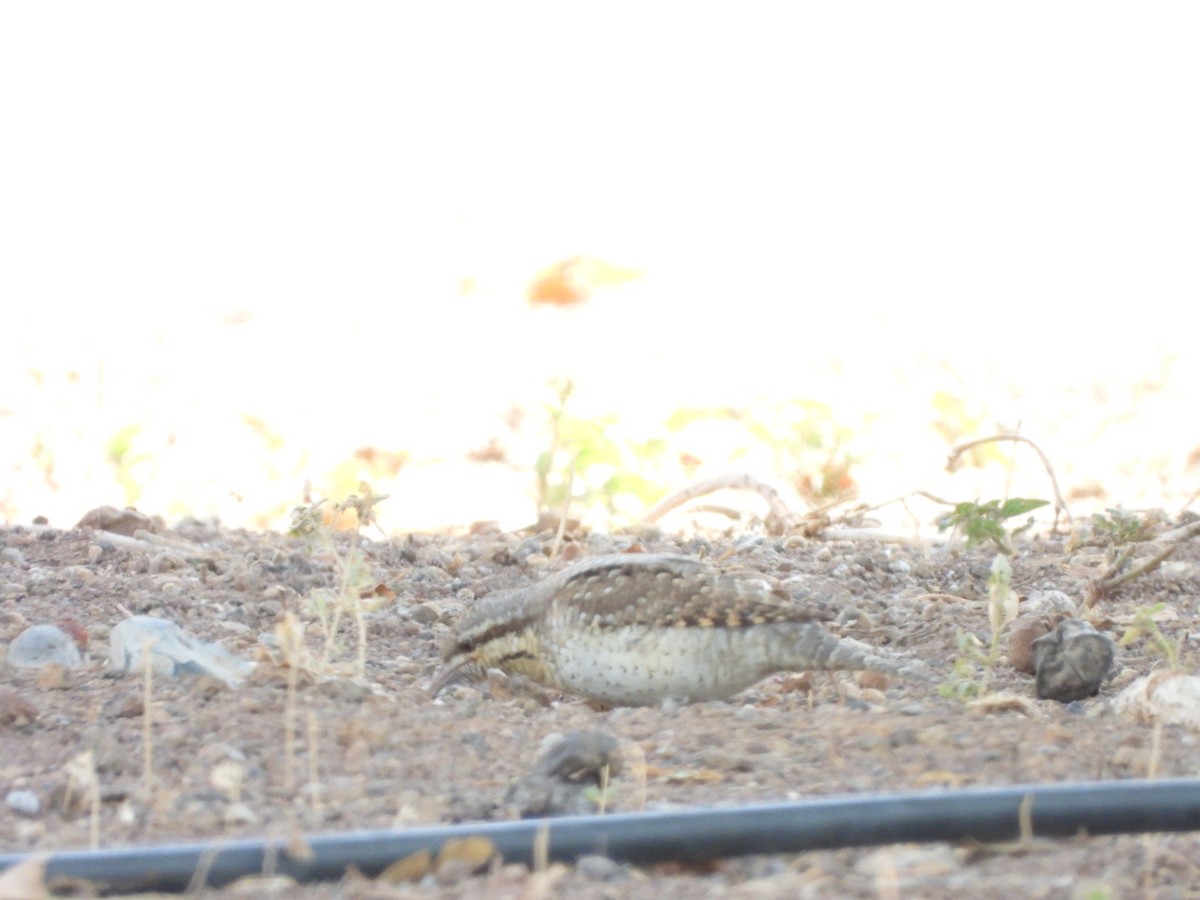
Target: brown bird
641,629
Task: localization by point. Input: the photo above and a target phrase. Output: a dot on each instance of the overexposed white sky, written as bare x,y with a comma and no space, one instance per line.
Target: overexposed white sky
795,179
217,155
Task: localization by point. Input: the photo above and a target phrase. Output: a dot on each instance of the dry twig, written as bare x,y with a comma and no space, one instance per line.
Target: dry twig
1113,576
779,517
1059,503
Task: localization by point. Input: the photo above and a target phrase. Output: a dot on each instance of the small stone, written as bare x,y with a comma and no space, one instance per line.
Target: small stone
1071,661
1044,602
1026,629
53,677
127,521
239,814
15,709
875,681
538,796
582,756
12,556
600,868
23,803
41,645
166,562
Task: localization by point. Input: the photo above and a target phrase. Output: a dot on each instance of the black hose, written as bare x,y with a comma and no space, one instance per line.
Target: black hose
982,814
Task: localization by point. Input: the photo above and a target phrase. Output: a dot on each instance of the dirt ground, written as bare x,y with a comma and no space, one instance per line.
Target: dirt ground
376,752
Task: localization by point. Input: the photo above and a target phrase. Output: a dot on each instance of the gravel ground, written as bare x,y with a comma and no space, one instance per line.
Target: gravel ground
372,750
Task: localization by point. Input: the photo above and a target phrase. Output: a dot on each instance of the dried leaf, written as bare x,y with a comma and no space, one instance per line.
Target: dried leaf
476,852
413,867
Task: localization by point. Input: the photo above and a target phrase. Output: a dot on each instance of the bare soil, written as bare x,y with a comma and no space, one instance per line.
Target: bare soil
374,751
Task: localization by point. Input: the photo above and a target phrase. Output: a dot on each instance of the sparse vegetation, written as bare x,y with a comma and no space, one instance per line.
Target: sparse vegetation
356,591
983,522
585,463
965,683
1145,626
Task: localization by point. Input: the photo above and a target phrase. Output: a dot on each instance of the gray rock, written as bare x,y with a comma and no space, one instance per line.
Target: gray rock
600,868
41,645
581,756
1071,661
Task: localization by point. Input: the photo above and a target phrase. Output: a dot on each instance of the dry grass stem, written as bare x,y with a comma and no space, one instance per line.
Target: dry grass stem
147,720
541,849
563,513
1113,576
779,517
314,783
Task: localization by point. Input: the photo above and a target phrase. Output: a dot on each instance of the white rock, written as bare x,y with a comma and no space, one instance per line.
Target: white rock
1169,697
23,803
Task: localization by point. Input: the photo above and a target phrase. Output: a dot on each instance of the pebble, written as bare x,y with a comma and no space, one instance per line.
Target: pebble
1049,602
582,756
1071,661
23,803
41,645
13,556
566,775
600,868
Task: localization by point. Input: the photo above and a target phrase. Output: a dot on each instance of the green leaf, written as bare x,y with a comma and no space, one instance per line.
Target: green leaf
1018,506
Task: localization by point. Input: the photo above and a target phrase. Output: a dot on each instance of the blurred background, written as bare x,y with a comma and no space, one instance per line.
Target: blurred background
475,254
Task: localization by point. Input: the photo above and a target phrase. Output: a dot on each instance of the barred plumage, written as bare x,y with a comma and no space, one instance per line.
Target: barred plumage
640,629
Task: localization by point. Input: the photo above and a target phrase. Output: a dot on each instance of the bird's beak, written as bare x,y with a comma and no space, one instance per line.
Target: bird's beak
464,667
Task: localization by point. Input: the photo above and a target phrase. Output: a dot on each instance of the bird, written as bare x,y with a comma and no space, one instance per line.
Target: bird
632,629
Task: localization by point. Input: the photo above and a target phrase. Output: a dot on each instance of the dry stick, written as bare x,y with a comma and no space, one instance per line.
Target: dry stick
602,800
738,481
360,664
541,849
639,770
858,534
1025,820
204,864
1149,845
147,721
289,726
1110,579
1059,503
566,510
1012,464
94,830
314,785
335,618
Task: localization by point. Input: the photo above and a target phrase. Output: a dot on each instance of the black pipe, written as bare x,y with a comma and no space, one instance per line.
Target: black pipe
980,814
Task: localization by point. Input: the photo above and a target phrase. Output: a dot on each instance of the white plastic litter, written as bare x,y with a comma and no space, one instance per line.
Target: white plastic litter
172,651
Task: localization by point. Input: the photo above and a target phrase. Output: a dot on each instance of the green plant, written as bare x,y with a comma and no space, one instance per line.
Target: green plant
1002,609
981,522
589,462
1117,526
964,683
119,453
1145,626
